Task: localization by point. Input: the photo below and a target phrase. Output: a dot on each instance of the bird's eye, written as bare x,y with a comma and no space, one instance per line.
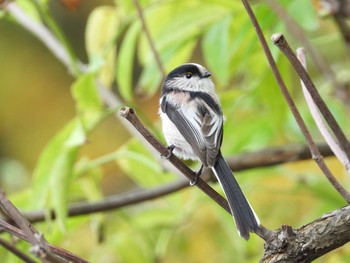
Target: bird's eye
189,75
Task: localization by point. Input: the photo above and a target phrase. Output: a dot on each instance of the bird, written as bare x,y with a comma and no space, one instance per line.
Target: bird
192,123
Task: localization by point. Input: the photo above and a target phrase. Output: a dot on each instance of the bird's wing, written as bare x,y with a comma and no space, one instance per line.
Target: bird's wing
199,120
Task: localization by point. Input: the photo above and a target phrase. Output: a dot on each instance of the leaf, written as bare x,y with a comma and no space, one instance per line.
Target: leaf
30,9
138,163
124,70
215,47
54,168
51,179
175,55
88,102
101,30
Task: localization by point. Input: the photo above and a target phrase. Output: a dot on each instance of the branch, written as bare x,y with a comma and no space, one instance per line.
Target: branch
110,203
40,247
296,114
149,38
6,227
264,158
280,41
129,114
311,241
327,135
273,156
16,251
39,244
296,30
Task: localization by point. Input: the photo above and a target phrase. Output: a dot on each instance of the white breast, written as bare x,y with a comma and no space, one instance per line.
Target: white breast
173,137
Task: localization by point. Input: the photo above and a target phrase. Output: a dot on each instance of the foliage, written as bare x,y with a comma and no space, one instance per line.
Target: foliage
186,226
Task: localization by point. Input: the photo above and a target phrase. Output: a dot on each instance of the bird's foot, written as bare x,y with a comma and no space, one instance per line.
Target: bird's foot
196,177
170,152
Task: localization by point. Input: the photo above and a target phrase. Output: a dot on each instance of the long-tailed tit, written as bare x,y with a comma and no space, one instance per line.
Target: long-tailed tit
193,128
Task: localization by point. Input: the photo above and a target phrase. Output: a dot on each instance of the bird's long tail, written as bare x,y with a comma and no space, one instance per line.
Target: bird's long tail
245,218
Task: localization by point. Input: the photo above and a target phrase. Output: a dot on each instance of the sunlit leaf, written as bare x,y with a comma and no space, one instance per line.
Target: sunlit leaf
52,175
148,171
125,64
101,29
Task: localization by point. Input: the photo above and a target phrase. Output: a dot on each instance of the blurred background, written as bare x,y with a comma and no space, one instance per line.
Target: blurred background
59,144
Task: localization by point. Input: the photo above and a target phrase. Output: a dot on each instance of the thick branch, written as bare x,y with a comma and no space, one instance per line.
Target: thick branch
311,241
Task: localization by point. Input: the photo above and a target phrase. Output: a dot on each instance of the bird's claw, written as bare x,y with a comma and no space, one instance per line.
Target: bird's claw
170,152
196,177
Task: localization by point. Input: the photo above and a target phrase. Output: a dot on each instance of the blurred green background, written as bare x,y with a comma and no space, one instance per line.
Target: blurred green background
55,131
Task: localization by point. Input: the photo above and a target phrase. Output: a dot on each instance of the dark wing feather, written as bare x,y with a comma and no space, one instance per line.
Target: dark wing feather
202,127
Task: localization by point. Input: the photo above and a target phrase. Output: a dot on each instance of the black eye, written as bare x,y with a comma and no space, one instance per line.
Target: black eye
189,75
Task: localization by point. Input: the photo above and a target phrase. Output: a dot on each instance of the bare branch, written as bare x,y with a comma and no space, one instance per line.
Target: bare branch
112,202
6,227
39,244
311,241
313,148
298,33
272,156
264,158
16,251
43,34
149,38
281,42
339,153
129,114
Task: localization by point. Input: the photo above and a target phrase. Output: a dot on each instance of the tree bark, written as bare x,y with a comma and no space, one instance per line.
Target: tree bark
311,241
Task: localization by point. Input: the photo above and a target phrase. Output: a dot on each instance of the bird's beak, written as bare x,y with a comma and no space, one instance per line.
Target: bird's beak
206,74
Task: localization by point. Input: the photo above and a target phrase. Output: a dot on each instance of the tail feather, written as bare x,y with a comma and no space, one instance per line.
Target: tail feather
245,218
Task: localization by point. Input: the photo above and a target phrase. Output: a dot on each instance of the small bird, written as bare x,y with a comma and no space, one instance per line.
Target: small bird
192,121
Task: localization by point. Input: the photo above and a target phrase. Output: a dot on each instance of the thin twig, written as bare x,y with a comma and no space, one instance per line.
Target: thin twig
112,202
39,244
273,156
43,34
6,227
313,148
16,251
129,114
281,42
263,158
339,153
149,38
298,33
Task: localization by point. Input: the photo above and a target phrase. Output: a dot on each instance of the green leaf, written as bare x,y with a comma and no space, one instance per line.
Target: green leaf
30,9
54,168
88,101
124,70
215,46
51,180
101,31
138,163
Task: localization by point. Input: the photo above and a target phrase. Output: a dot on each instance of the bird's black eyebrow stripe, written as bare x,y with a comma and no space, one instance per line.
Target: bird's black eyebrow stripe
182,70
